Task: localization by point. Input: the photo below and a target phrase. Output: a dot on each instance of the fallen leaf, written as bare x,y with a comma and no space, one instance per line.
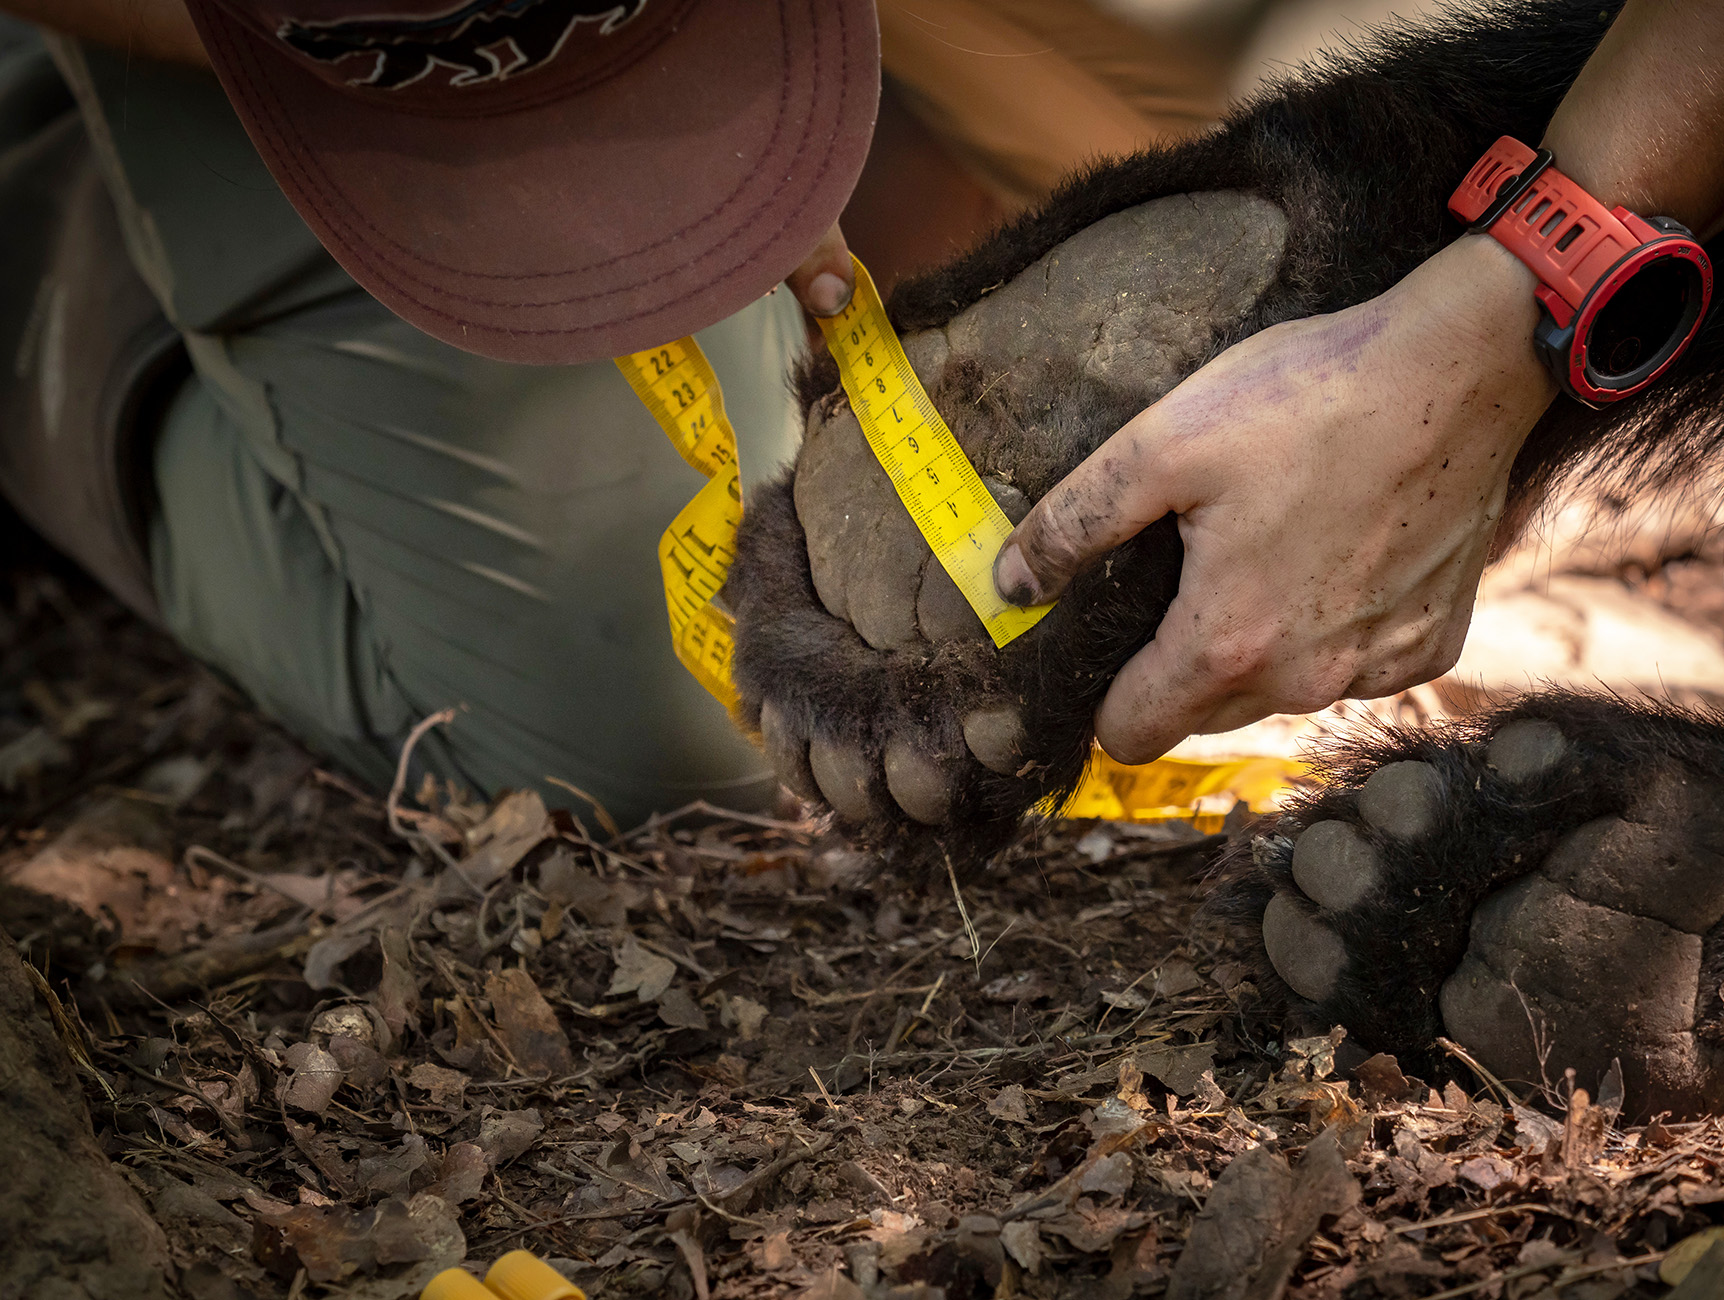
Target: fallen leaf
516,826
1023,1243
527,1024
640,971
461,1173
1584,1134
678,1009
1486,1172
1175,977
437,1233
1109,1176
775,1252
325,1156
1113,1118
1311,1059
325,956
744,1015
505,1134
1019,986
1207,1096
1180,1069
1093,1230
1535,1130
833,1286
314,1077
445,1086
567,883
335,1243
1380,1079
1252,1231
396,996
392,1171
1010,1104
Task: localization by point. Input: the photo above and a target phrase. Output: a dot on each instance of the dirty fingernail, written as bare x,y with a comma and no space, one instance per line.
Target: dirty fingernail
827,294
1013,579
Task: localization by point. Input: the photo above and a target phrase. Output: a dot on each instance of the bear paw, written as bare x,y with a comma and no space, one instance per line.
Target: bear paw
1545,887
871,681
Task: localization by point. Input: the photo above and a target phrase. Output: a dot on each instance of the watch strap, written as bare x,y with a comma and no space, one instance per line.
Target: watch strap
1566,237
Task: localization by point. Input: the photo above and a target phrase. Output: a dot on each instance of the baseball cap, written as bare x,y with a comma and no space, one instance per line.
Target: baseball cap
556,181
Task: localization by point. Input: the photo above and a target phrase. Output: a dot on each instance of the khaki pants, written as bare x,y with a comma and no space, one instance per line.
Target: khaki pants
359,525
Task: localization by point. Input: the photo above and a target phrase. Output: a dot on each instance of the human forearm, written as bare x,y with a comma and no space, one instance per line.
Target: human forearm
1643,124
150,29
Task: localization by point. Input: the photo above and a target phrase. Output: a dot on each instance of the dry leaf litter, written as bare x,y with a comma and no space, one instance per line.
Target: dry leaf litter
338,1043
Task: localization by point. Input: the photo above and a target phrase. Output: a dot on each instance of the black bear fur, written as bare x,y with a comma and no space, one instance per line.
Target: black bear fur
1408,936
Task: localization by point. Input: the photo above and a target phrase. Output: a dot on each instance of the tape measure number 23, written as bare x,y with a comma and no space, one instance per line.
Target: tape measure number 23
961,522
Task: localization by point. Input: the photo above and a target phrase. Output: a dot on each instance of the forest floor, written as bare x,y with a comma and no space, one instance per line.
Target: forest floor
337,1042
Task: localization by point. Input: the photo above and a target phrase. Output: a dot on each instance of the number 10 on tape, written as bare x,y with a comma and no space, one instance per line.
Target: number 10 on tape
957,516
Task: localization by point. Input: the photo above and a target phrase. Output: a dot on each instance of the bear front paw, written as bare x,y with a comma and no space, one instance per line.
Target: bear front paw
874,686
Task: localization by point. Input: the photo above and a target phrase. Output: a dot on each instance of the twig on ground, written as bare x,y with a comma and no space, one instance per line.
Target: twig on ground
198,855
830,1104
964,912
606,821
1567,1277
701,808
1490,1080
415,835
443,969
760,1177
1490,1211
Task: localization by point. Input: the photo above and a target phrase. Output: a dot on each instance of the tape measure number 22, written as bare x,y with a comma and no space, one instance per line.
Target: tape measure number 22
961,522
677,385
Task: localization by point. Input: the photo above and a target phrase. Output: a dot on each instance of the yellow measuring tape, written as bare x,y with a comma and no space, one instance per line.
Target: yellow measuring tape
519,1275
1199,791
962,523
677,385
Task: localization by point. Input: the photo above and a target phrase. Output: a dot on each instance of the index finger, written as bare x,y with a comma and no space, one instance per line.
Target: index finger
1111,497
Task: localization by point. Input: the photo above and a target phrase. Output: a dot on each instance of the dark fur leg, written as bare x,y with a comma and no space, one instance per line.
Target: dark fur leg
1544,885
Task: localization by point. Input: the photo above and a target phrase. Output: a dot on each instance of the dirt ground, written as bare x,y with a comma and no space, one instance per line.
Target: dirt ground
337,1042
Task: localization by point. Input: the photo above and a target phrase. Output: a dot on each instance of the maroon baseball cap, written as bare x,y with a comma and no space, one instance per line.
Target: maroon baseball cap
557,180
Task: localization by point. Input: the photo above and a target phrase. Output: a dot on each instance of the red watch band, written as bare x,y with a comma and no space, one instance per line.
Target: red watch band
1622,296
1568,238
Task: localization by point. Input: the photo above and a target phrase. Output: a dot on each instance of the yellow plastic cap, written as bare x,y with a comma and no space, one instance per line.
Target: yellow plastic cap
522,1275
457,1284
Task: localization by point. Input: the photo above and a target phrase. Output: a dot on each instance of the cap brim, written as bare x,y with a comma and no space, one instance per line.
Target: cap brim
608,220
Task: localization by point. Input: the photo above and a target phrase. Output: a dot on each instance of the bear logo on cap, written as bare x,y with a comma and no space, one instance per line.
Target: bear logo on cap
478,42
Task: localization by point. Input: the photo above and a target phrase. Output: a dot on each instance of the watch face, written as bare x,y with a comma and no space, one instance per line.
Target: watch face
1641,316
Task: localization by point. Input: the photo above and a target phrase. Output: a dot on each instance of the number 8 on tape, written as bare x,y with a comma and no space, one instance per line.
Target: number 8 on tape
957,516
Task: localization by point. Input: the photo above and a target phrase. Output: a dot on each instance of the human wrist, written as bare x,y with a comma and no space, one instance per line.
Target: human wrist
1640,126
1482,294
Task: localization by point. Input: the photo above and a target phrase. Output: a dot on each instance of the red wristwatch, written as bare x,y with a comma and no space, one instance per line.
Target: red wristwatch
1622,294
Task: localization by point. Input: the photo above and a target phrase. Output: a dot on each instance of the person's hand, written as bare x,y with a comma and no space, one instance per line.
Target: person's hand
825,280
1337,480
